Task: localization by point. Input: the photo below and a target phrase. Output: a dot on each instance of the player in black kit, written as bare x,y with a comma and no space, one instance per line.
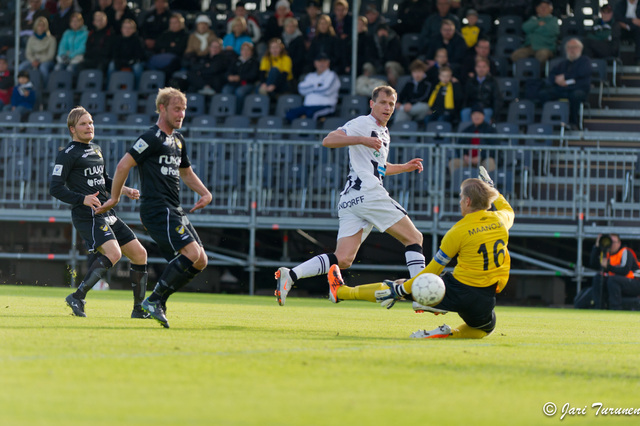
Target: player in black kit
162,161
79,179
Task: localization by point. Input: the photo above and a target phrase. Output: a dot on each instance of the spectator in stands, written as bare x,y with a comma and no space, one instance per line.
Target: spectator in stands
154,23
6,82
130,52
238,35
627,14
481,50
100,44
105,6
253,27
366,47
414,96
320,90
541,34
60,20
482,90
170,46
199,40
209,74
431,27
476,156
294,44
73,44
243,75
29,16
616,279
570,79
367,81
440,60
275,24
603,38
276,69
41,49
374,18
449,39
387,55
412,14
23,97
121,11
342,20
471,32
445,99
326,41
309,21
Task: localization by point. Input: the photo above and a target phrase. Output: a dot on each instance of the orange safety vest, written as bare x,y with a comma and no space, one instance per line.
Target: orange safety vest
616,260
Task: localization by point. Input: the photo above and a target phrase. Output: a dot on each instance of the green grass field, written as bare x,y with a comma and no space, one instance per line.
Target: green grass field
239,360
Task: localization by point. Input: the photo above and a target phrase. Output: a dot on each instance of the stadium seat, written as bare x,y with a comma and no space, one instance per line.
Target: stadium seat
506,45
396,130
551,64
599,77
506,128
332,123
540,129
149,105
572,26
59,80
121,80
104,124
510,25
195,104
93,101
207,124
255,106
60,102
287,102
555,113
151,81
124,102
237,122
302,127
354,105
90,79
10,119
438,127
526,68
141,122
411,45
509,88
485,23
44,119
463,125
345,84
502,66
222,105
521,112
270,122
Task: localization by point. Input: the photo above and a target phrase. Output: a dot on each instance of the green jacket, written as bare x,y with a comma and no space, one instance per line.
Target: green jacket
541,36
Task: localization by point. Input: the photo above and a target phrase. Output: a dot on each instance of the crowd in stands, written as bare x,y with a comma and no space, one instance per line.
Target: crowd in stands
451,72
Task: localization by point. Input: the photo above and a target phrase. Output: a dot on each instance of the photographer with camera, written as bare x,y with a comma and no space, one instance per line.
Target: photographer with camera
618,268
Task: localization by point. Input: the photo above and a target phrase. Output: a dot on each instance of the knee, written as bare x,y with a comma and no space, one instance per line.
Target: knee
345,263
202,261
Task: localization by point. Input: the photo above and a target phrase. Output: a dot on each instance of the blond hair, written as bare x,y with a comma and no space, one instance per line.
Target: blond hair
166,94
74,116
479,192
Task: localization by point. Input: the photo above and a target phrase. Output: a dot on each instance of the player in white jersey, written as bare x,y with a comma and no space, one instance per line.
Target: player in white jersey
364,203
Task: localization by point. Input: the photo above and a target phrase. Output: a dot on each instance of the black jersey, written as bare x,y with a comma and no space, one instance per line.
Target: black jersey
159,157
79,171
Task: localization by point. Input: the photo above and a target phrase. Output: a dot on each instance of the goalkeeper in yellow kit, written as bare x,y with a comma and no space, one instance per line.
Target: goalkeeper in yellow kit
480,241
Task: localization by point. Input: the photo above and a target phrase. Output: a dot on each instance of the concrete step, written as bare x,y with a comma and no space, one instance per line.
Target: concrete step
611,125
620,102
629,80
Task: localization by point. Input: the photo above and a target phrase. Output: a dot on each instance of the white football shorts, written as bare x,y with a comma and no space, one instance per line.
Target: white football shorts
357,210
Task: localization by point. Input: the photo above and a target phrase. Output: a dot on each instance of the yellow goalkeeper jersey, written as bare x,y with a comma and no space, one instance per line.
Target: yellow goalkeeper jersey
480,240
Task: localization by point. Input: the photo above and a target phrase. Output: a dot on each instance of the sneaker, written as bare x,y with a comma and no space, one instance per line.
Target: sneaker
139,313
419,309
155,311
335,282
439,333
76,305
283,286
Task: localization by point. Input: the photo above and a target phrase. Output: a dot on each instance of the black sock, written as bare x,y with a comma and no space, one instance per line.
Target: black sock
138,274
97,271
171,279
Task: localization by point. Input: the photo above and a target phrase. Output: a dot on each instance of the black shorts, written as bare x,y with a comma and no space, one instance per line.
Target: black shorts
97,230
475,305
170,228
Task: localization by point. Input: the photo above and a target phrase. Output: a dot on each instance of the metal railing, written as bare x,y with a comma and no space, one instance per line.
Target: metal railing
279,178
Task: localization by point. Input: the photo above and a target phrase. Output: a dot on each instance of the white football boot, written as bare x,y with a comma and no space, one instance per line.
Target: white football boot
439,333
283,285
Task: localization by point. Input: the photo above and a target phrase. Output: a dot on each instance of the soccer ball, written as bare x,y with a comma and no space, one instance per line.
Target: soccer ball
428,289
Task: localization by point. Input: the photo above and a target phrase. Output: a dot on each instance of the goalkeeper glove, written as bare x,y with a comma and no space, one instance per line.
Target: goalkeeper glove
387,298
483,175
